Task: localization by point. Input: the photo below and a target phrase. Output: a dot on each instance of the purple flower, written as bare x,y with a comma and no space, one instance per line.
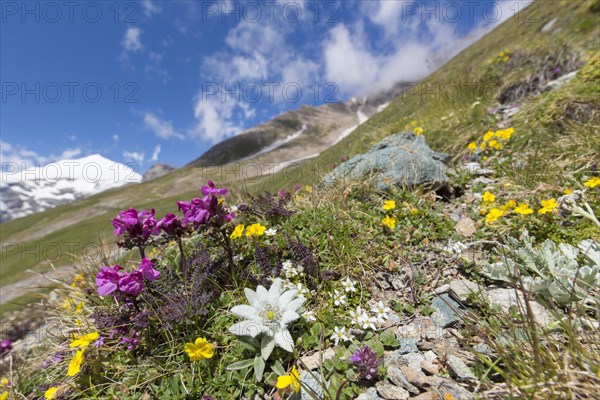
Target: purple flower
147,270
5,346
136,224
169,224
108,279
212,190
132,283
99,343
131,342
366,362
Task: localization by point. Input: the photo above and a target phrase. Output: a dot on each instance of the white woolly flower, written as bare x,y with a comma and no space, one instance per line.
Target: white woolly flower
271,232
269,313
455,247
339,334
348,285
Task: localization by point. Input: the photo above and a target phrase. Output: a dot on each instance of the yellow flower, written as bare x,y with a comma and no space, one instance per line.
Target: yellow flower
523,209
4,382
472,146
483,146
493,215
548,206
199,350
414,211
85,340
568,191
78,280
389,222
308,188
4,396
255,229
237,232
418,131
501,54
505,134
292,379
51,393
75,364
389,205
413,123
488,197
509,204
448,396
488,135
592,182
505,59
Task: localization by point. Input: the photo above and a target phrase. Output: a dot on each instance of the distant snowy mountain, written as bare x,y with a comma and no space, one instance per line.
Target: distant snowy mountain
36,189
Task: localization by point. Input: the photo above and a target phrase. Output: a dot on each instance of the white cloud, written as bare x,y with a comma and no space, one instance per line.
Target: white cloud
150,8
115,137
131,43
134,157
154,66
155,153
17,157
161,128
215,119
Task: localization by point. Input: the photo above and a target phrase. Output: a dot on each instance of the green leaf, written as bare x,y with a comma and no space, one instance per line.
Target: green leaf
259,368
240,364
278,368
249,342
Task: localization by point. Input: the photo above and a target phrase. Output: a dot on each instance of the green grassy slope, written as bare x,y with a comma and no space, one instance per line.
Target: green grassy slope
553,127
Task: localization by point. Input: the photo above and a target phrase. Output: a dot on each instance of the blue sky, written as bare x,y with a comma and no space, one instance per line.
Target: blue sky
142,81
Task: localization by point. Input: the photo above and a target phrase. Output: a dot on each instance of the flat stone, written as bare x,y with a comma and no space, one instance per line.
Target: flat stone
416,377
546,28
430,355
401,159
420,328
396,376
430,367
314,360
391,392
370,394
447,310
483,349
413,360
505,298
426,396
465,227
462,288
445,386
459,368
408,345
557,83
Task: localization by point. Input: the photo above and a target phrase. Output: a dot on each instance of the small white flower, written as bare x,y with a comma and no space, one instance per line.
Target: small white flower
309,316
348,285
366,321
355,316
271,232
238,257
302,290
455,247
381,311
339,299
233,209
339,334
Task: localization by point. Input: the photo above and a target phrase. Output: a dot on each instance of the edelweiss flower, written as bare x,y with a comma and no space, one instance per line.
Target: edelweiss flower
269,314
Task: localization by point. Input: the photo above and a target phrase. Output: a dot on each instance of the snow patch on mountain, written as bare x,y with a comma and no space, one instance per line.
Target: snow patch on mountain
36,189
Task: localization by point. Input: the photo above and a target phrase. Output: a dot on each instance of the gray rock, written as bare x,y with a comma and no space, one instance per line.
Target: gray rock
430,355
505,298
483,349
314,360
407,345
459,368
370,394
401,159
447,310
465,227
474,168
391,392
315,385
446,386
462,288
396,376
546,28
557,83
420,328
413,360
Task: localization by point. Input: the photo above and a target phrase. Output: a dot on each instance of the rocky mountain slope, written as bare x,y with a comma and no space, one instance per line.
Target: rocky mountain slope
156,171
42,187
